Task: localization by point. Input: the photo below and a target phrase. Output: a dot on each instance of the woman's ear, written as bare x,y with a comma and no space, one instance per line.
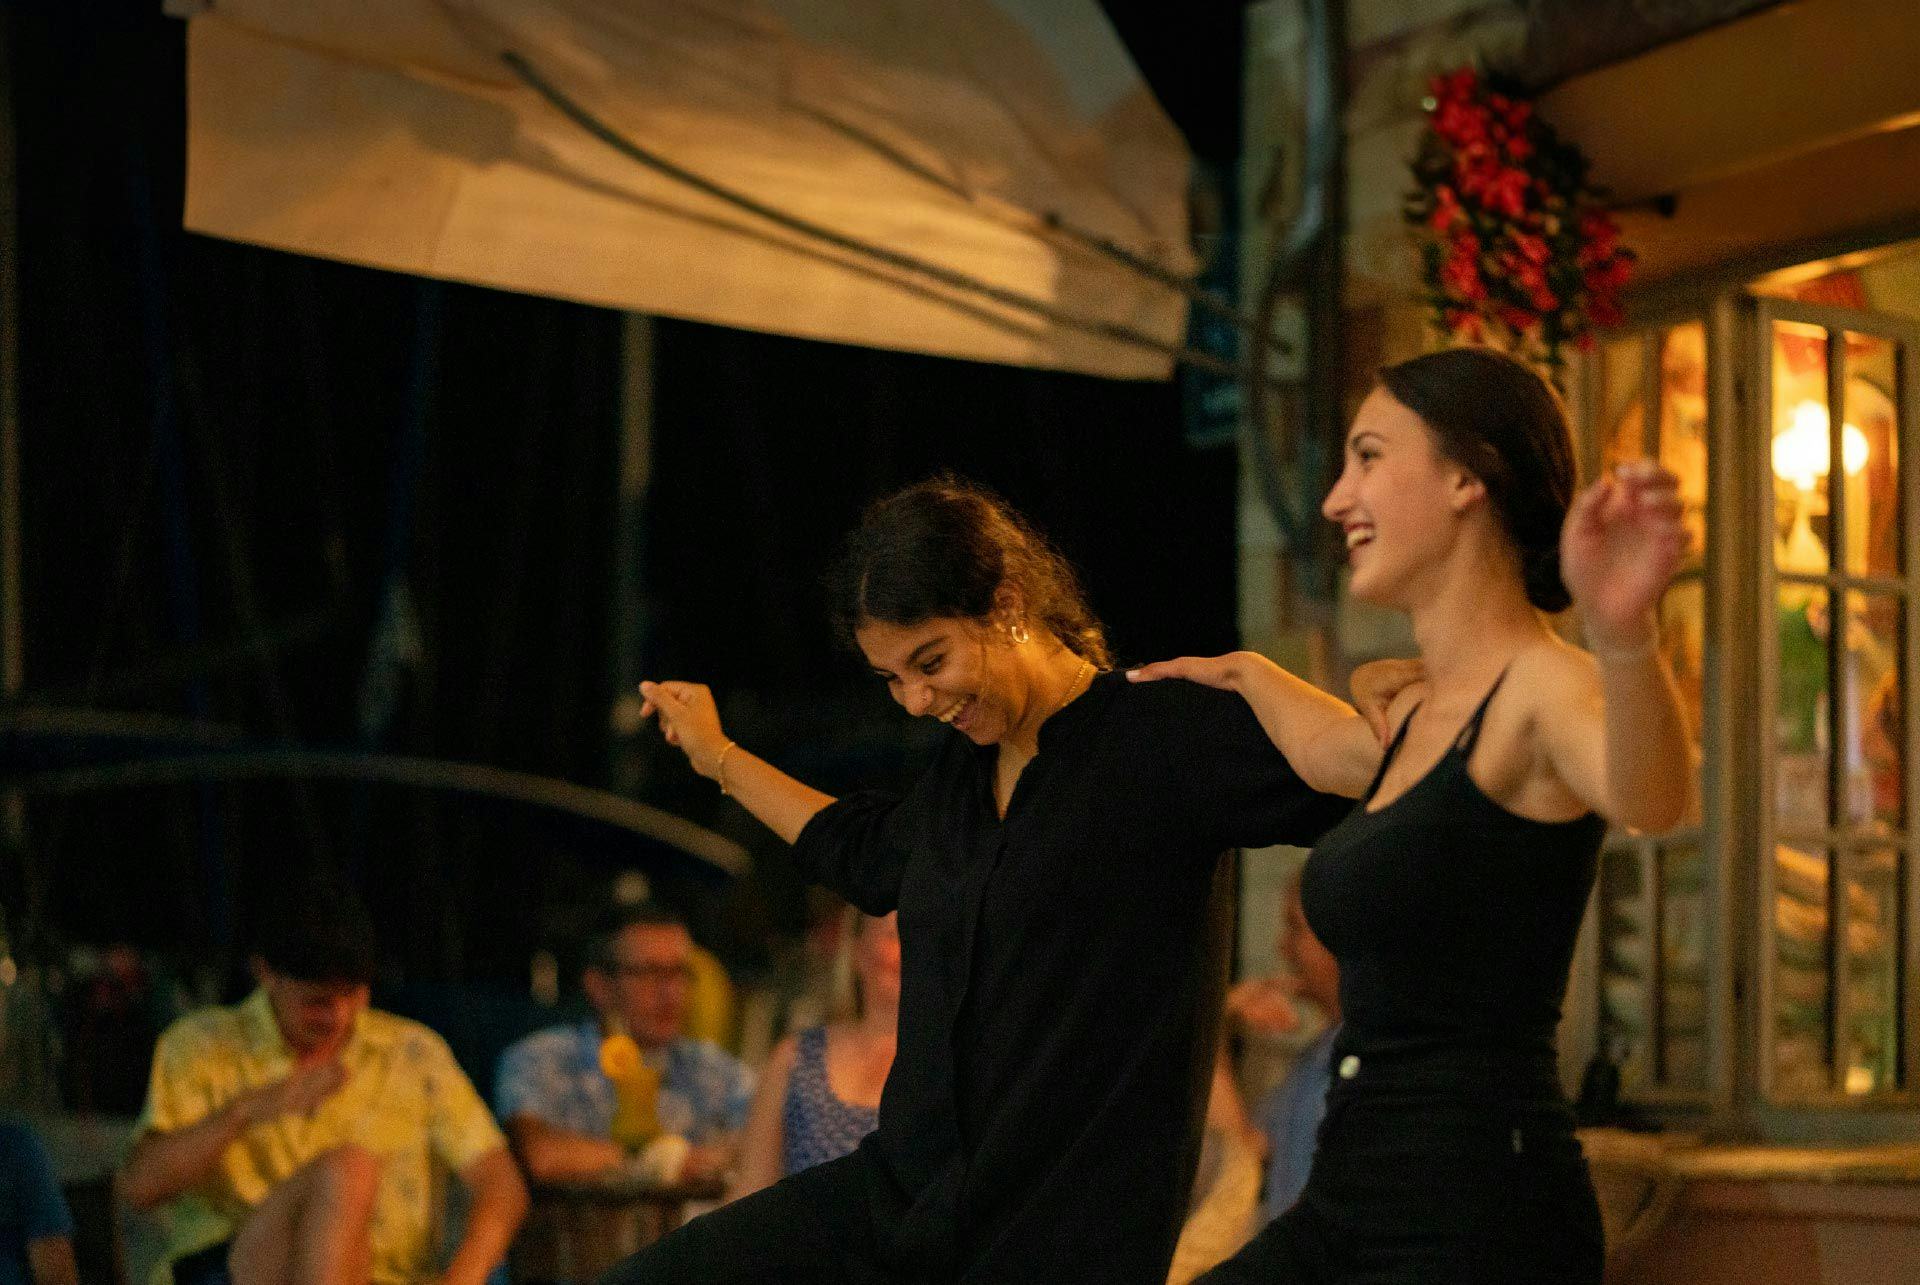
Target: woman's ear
1465,489
1009,606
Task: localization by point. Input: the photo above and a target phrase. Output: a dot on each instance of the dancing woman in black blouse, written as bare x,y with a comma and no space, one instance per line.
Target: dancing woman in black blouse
1054,873
1453,895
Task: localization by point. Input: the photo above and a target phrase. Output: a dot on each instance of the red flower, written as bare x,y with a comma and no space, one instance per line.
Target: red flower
1447,209
1517,243
1461,124
1499,189
1460,274
1462,83
1463,323
1532,248
1609,277
1517,319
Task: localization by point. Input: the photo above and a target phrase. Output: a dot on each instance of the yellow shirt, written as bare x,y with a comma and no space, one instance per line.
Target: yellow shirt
710,1003
405,1100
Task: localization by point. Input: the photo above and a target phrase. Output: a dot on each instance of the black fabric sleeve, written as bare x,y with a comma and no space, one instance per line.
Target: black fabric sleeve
1236,784
854,846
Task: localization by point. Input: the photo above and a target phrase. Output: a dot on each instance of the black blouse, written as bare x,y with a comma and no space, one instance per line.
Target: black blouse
1060,978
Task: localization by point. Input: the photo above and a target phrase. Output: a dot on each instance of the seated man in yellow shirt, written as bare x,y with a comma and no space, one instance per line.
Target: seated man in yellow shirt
296,1137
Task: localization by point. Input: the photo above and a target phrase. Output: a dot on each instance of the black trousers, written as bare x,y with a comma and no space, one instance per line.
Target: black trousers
818,1227
1433,1175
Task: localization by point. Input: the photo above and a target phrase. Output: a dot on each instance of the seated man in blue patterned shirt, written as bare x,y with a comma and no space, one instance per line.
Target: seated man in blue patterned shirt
558,1104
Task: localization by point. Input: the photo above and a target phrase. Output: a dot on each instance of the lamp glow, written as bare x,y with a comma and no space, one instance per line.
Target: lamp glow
1803,453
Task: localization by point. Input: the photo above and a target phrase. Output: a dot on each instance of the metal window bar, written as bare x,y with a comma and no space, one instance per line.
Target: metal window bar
1907,412
1839,719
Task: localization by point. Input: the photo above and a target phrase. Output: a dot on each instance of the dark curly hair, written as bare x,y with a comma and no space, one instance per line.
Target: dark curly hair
1494,416
944,547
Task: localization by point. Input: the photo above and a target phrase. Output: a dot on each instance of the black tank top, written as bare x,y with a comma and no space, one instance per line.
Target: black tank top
1452,918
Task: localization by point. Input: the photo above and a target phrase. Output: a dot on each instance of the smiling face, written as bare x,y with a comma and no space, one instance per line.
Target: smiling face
959,671
1398,501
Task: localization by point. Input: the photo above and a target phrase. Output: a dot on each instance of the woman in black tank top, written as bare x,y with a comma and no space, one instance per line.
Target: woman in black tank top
1453,893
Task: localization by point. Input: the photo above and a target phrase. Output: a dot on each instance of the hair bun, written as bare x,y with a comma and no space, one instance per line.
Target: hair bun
1540,571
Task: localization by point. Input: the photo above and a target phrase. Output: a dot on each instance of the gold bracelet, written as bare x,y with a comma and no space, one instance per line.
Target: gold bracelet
720,767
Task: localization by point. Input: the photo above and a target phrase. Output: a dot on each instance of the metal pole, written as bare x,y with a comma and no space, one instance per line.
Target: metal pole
630,617
13,815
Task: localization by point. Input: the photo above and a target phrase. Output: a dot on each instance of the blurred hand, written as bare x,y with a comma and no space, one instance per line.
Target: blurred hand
1266,1005
1213,671
1621,544
301,1093
1375,684
705,1162
689,719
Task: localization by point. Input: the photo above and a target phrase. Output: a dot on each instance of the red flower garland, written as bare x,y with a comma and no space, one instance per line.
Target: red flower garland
1515,246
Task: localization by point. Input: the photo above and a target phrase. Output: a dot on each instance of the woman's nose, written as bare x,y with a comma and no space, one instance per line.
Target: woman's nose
1335,506
917,698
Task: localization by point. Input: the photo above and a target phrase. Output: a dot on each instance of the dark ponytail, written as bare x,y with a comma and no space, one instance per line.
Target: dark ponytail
1494,416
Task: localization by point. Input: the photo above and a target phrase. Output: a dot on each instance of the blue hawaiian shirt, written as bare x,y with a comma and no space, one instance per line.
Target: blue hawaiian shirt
1290,1116
554,1076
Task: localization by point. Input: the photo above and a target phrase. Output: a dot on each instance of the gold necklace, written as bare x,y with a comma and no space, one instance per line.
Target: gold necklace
1080,675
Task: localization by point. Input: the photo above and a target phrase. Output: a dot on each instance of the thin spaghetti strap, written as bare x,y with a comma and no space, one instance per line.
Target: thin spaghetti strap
1393,748
1470,734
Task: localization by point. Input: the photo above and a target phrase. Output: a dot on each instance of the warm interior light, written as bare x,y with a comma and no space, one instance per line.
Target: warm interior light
1802,454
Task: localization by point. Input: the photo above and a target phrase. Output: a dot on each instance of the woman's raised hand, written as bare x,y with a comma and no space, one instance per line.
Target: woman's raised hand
689,719
1622,542
1376,684
1214,671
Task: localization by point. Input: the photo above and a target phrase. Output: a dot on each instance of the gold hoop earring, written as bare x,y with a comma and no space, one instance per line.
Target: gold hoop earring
1019,634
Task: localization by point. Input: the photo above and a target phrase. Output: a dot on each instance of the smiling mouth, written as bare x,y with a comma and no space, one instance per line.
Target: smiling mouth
952,713
1359,535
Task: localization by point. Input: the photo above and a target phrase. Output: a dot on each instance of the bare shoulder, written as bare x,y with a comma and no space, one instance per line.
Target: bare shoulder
1554,680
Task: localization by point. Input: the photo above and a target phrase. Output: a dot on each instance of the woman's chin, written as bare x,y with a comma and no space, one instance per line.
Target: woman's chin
1368,586
1361,588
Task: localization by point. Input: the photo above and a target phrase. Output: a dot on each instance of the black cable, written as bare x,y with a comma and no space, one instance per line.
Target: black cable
1113,331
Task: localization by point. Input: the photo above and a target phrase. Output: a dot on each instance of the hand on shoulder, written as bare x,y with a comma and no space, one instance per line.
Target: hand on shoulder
1224,672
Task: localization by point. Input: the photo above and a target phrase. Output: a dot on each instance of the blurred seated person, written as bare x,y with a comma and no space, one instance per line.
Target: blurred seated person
1290,1115
810,982
713,1007
1224,1210
820,1091
36,1227
626,1090
296,1136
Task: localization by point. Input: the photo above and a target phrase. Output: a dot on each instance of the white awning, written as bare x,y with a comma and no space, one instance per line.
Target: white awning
957,136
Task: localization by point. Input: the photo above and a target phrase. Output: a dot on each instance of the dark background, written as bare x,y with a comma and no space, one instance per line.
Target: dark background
216,447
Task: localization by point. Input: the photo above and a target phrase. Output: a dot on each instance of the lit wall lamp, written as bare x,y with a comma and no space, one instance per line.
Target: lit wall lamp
1803,453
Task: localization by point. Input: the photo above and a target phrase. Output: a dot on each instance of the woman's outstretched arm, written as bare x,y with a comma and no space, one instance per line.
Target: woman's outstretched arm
1620,742
689,719
1331,746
